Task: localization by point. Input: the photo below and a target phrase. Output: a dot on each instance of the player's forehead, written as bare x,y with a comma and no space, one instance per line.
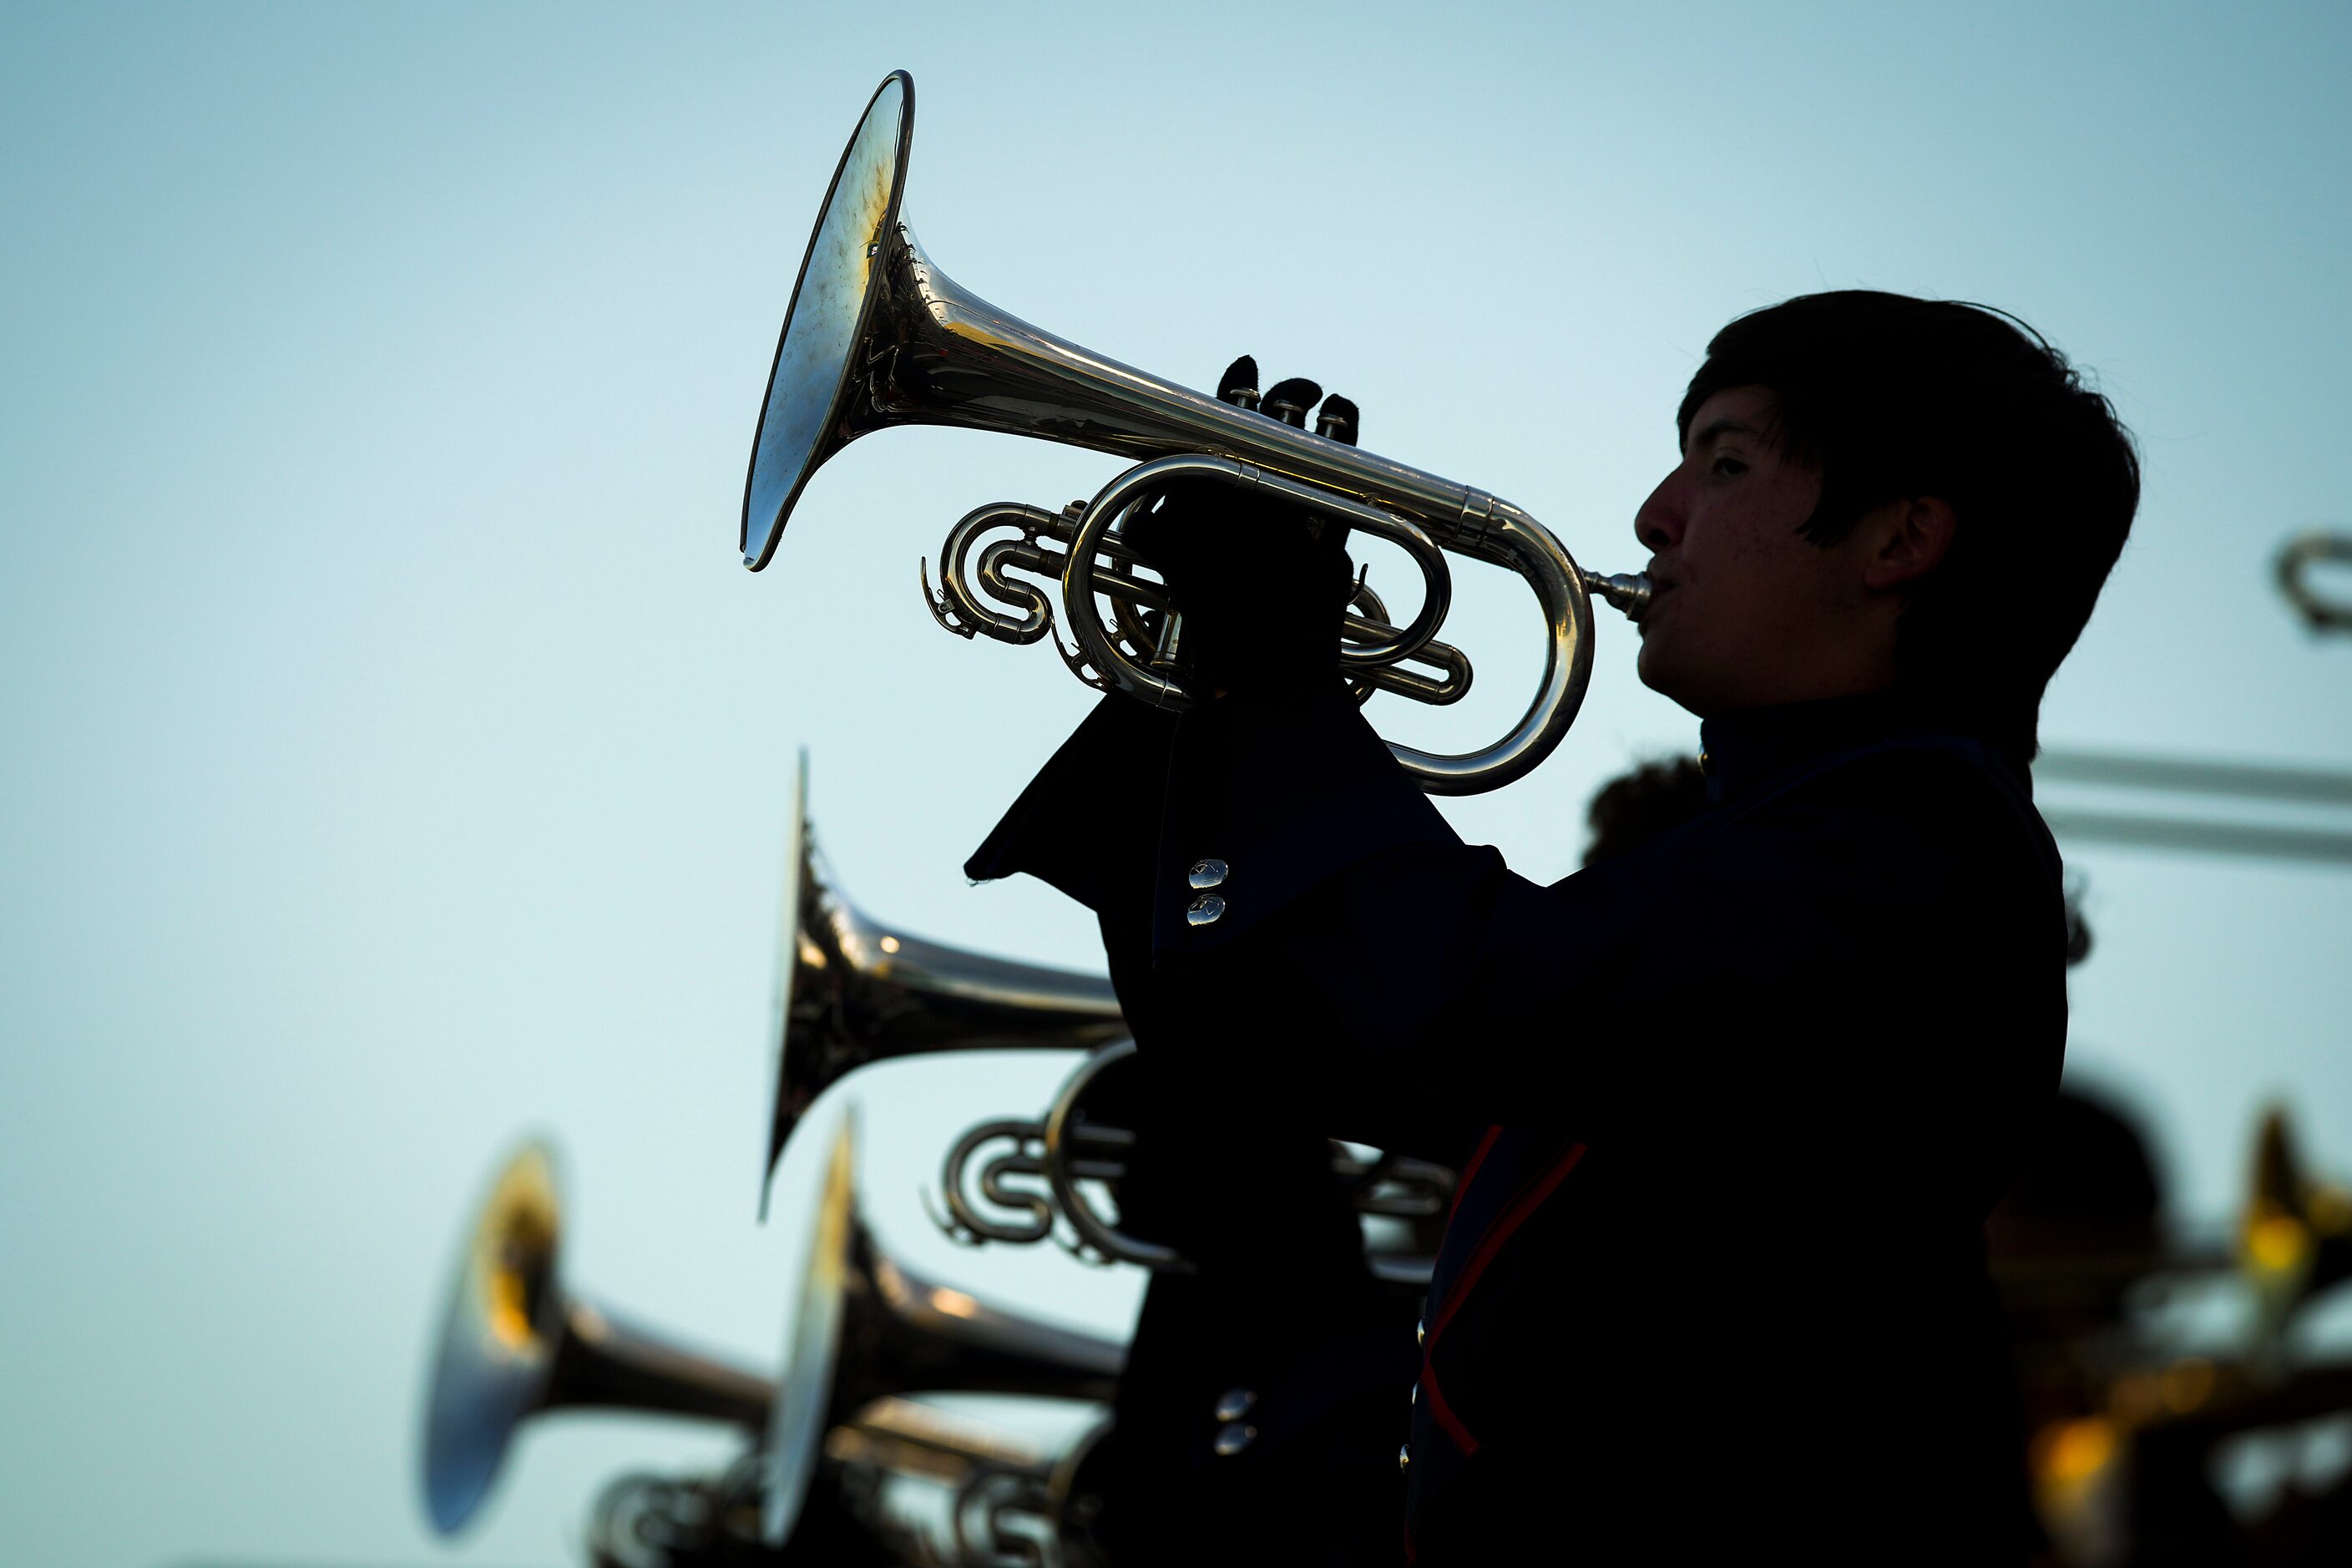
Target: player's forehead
1744,413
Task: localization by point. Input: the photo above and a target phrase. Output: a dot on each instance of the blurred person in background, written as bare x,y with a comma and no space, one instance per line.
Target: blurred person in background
1641,806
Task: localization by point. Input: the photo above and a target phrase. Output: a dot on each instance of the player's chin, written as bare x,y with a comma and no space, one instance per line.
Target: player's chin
1665,668
1656,663
1661,649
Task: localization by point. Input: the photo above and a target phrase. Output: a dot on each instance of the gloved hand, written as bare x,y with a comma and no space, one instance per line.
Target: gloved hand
1261,583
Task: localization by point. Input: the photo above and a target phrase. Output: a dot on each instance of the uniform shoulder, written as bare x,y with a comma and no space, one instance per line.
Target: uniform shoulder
1954,792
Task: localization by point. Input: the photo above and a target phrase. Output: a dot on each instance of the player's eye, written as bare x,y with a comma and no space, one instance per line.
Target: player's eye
1728,467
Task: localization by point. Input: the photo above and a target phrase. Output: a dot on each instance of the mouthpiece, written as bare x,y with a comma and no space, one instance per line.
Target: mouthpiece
1627,590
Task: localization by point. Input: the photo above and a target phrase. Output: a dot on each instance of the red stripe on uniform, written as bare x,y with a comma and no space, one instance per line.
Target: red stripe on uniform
1470,1170
1443,1413
1530,1198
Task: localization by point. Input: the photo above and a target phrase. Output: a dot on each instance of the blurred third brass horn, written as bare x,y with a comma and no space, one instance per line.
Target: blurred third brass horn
515,1341
869,1329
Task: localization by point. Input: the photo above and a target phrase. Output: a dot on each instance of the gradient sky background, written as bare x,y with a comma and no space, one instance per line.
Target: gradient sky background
396,753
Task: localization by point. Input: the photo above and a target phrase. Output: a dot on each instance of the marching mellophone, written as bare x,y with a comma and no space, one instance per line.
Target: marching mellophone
852,991
877,335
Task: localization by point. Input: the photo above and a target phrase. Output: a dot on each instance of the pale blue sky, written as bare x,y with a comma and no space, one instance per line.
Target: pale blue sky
396,753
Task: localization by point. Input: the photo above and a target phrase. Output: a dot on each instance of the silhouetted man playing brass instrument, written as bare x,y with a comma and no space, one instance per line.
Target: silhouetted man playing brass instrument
1739,1102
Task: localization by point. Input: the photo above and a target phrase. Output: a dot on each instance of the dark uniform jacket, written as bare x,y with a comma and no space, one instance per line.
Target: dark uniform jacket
1734,1108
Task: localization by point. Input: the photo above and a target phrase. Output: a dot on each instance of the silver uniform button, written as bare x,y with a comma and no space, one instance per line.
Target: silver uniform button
1404,1456
1207,873
1420,1332
1234,1438
1205,911
1235,1403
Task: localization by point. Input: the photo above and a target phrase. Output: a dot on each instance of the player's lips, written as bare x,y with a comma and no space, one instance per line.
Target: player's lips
1662,588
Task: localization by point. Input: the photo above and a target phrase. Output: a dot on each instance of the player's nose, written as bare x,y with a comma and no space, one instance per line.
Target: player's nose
1658,521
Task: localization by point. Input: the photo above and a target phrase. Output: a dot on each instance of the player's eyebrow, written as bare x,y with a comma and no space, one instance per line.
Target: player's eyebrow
1716,428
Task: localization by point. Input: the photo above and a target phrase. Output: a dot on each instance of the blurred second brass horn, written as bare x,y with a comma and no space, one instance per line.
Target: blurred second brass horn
851,991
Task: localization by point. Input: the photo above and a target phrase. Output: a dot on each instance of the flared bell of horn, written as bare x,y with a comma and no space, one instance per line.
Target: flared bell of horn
823,341
852,990
868,1328
515,1343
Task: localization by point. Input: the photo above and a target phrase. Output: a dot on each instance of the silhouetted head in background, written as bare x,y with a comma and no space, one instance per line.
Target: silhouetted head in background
1642,802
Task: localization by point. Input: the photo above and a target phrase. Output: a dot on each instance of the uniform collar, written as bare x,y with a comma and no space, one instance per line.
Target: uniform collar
1741,751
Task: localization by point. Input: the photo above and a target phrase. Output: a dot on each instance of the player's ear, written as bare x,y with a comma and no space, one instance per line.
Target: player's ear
1912,538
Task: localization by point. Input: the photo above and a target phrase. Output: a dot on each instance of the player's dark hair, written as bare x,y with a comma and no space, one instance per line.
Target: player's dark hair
1893,397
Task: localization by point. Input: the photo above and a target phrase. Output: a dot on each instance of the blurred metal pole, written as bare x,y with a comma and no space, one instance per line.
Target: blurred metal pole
2206,838
2183,775
2320,785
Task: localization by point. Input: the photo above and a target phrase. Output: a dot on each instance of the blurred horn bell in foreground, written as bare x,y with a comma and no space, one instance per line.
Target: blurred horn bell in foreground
515,1341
